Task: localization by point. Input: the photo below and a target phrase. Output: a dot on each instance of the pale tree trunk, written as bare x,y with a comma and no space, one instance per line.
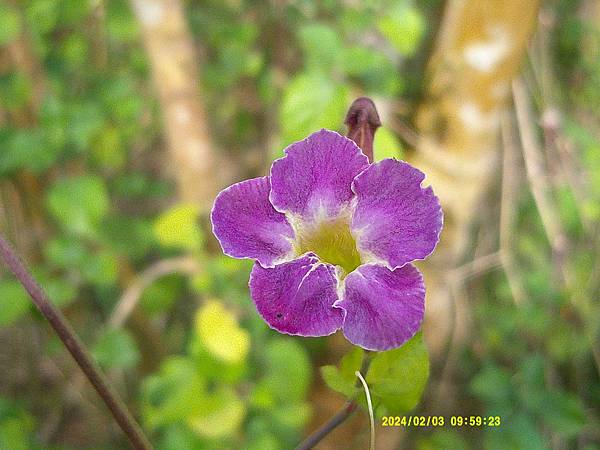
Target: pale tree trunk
479,50
174,66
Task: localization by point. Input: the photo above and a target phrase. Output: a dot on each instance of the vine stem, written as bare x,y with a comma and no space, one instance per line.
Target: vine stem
77,349
346,411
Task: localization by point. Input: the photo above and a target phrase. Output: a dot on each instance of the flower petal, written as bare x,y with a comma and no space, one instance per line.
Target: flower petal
314,178
384,308
247,225
395,221
297,297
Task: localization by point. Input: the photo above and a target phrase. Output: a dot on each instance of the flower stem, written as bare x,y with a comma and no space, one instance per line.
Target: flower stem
77,349
363,120
346,411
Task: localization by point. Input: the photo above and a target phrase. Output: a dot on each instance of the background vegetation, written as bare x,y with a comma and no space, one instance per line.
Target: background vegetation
95,194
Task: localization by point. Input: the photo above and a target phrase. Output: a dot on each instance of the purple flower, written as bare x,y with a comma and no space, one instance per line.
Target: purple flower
333,236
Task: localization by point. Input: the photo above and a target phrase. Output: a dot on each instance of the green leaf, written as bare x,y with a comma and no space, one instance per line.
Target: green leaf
264,442
343,380
398,377
493,384
177,227
160,296
14,302
292,416
288,371
312,101
116,349
386,145
321,45
16,427
60,291
10,24
334,379
132,236
176,393
108,150
220,333
221,416
28,149
523,433
443,440
100,269
404,28
179,436
65,253
85,121
15,90
78,203
564,414
42,14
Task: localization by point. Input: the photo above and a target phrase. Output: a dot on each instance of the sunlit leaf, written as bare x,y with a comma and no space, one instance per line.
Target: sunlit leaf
177,227
222,414
220,332
403,27
312,101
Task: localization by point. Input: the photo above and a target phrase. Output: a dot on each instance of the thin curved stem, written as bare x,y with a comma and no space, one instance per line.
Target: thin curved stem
346,411
77,349
370,407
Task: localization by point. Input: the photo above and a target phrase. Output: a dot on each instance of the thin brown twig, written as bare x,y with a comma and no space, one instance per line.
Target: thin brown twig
476,267
77,349
132,295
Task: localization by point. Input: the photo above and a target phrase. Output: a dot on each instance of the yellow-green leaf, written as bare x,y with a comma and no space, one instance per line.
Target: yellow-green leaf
220,333
223,415
177,227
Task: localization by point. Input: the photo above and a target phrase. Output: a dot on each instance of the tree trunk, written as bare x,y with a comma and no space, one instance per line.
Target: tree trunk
479,50
174,66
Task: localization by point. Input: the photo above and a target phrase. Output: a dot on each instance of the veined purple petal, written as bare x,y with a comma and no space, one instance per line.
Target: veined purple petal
384,308
396,220
315,177
247,225
297,297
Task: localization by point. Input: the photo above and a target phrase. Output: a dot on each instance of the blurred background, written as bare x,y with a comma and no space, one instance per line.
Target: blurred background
120,121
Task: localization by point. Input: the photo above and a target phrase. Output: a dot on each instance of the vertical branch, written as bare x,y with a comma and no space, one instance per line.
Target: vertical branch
76,348
174,67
